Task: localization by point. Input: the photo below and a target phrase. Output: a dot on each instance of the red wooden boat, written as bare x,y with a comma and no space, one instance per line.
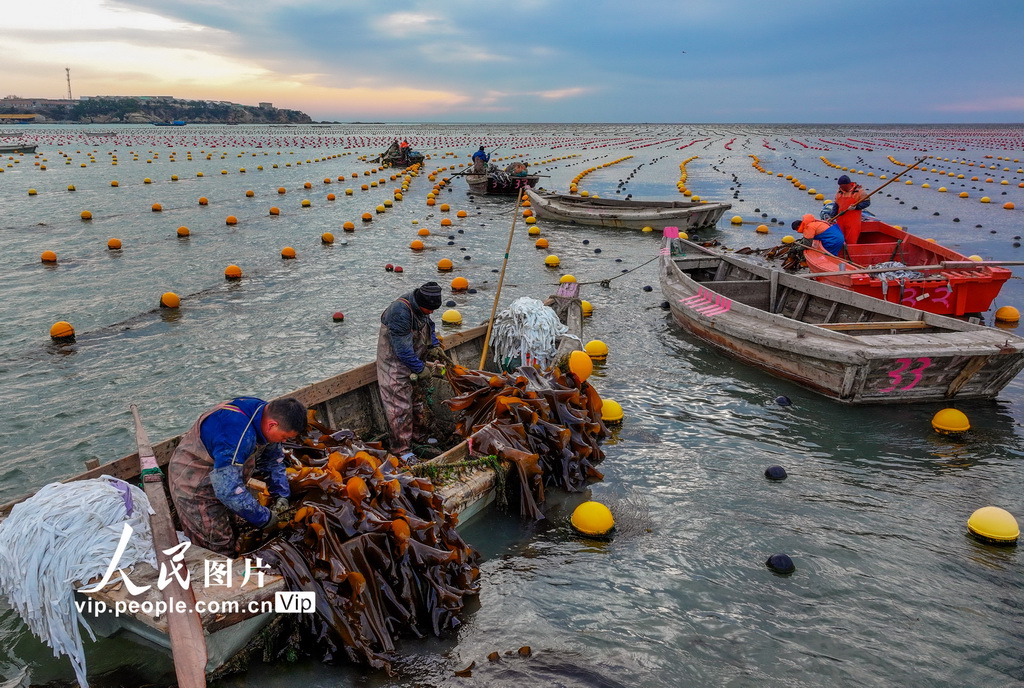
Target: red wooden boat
943,290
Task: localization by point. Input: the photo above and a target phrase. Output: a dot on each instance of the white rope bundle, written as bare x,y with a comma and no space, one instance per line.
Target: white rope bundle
65,534
527,328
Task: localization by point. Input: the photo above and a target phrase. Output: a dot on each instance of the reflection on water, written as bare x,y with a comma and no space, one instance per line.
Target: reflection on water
888,588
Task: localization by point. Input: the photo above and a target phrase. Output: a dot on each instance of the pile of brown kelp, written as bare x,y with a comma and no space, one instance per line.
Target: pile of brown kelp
376,547
548,424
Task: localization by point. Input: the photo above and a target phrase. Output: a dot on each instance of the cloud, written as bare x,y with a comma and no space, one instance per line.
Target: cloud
404,24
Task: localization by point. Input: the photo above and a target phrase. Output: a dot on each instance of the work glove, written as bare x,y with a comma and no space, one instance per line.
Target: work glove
277,508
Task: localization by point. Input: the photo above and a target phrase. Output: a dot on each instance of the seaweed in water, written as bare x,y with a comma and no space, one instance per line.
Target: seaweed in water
378,550
547,424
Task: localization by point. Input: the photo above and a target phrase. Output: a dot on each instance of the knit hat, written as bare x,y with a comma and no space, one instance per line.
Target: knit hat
428,296
843,179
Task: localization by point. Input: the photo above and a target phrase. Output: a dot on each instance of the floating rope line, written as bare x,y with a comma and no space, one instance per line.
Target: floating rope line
607,282
67,534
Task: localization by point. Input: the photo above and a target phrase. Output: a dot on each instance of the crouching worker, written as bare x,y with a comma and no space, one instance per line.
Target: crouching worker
406,336
209,470
830,236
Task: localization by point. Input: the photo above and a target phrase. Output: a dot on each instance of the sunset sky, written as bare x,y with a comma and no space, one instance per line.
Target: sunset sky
535,60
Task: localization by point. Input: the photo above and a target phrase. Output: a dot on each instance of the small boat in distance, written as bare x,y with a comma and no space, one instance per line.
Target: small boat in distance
174,123
955,291
610,212
846,346
498,182
17,148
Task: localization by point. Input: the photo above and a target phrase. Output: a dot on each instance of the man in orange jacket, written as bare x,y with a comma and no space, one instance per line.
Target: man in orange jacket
830,236
851,199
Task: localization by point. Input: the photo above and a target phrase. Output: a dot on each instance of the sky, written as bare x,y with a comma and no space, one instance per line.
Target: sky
770,61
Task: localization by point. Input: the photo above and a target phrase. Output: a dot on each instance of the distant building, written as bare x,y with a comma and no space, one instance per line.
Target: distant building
266,106
27,103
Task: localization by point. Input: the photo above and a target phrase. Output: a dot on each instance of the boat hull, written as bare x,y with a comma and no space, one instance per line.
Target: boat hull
953,292
8,148
489,184
845,346
602,212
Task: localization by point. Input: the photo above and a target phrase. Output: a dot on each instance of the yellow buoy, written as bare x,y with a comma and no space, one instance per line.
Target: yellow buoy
306,203
564,279
530,220
169,300
114,244
587,308
62,332
581,365
611,411
327,238
552,261
451,317
736,220
964,194
86,215
994,525
32,192
288,252
596,349
647,229
48,257
232,272
986,199
950,421
533,231
71,187
788,239
592,518
444,265
183,231
1007,314
762,229
976,258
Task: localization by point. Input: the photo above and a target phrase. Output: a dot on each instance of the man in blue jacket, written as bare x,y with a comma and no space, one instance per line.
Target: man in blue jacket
406,334
209,469
480,160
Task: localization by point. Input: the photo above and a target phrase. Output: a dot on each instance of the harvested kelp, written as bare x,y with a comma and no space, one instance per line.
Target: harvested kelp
546,423
376,547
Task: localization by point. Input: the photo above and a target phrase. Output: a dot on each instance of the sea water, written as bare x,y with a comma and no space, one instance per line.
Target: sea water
888,590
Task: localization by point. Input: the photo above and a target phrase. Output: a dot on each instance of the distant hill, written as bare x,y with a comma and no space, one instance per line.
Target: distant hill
139,111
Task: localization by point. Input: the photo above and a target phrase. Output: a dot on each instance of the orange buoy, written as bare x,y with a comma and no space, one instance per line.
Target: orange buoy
423,232
156,208
282,190
416,245
203,200
288,252
327,238
86,215
232,272
462,213
367,217
231,220
444,265
62,332
274,210
460,284
48,257
183,232
349,226
114,244
170,300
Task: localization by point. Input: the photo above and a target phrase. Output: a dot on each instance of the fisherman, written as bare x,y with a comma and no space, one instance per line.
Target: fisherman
403,151
406,338
209,470
830,236
852,199
480,160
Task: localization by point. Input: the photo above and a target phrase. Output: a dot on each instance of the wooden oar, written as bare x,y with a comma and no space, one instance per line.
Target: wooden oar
501,279
185,628
944,265
912,166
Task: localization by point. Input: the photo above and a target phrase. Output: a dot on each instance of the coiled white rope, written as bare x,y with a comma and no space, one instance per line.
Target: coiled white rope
66,534
528,329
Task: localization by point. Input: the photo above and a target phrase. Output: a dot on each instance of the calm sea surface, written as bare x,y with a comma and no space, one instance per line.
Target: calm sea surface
888,590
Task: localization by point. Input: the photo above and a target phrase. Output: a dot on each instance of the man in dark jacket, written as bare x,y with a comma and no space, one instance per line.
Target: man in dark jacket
406,334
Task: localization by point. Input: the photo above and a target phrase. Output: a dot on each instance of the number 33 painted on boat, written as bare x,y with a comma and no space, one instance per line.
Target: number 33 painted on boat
902,371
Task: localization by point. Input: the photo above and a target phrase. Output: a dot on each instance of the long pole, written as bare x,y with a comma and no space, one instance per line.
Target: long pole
907,169
185,628
501,280
944,265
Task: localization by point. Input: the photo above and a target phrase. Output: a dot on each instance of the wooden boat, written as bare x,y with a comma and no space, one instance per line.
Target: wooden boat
942,290
610,212
394,156
498,182
349,400
849,347
17,148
